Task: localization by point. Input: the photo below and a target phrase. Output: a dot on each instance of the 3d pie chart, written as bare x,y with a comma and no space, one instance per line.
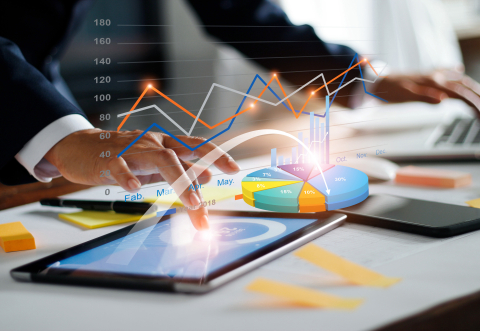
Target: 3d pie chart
300,188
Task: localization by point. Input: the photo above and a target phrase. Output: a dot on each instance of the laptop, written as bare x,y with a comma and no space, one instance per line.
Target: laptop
418,132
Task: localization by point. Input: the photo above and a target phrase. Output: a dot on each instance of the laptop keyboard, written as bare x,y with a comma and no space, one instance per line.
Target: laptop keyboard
461,131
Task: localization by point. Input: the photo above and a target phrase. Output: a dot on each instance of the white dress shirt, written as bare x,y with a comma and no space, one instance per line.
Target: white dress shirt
31,156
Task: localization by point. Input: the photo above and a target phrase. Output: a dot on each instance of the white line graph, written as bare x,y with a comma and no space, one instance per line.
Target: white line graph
249,96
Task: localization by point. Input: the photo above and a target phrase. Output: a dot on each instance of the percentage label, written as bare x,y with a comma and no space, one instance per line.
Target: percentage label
256,179
285,191
260,185
298,169
340,179
309,192
266,174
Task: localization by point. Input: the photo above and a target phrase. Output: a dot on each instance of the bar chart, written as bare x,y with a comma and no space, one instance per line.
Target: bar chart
318,142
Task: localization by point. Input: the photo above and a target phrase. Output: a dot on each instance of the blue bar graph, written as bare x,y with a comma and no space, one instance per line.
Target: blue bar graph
327,126
318,144
322,150
300,148
317,136
306,155
312,131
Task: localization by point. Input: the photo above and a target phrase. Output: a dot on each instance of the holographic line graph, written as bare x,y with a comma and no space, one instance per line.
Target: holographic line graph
245,96
281,101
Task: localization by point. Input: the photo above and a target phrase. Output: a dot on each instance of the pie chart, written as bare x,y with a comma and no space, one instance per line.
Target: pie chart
300,188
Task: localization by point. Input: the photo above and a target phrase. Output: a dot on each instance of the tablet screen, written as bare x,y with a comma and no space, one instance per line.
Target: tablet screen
174,249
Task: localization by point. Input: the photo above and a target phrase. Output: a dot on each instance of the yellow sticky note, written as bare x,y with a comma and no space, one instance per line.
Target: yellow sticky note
99,219
302,295
475,203
352,272
209,193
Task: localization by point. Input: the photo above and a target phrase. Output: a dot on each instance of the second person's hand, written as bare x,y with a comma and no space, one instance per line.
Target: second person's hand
431,88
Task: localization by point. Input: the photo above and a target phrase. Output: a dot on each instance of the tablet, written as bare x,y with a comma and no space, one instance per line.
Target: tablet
168,254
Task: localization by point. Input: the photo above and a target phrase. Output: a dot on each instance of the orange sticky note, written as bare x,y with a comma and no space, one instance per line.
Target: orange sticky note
354,273
15,237
302,295
412,175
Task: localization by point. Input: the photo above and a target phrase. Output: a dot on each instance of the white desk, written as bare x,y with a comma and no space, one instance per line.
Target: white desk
433,271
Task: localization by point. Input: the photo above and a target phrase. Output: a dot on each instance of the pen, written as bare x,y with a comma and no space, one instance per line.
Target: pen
116,206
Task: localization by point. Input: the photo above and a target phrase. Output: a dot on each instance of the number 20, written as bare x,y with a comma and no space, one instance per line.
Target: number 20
105,173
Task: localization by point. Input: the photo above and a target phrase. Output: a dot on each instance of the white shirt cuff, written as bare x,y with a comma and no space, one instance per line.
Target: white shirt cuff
31,156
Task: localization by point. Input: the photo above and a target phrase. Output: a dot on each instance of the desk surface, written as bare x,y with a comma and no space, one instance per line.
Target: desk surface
434,271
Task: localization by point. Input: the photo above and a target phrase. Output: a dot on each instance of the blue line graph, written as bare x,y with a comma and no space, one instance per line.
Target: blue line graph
155,125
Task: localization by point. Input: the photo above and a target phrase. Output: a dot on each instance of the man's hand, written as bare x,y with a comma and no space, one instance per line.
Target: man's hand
431,88
155,157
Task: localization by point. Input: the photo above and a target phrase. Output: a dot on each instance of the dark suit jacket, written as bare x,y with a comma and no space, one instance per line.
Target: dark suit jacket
34,35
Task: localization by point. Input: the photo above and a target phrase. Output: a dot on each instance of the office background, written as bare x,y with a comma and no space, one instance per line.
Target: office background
182,41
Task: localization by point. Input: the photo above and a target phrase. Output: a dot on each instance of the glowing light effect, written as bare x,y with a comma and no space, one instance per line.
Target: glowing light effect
206,235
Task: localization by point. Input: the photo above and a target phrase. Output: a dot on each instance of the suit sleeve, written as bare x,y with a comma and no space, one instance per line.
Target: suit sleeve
29,103
262,31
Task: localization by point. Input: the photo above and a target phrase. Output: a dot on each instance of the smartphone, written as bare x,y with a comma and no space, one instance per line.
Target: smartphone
428,218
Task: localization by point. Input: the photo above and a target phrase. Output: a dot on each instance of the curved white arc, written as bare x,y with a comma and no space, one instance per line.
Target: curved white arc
181,184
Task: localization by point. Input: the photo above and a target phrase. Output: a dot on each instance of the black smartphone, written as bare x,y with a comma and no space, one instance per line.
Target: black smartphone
428,218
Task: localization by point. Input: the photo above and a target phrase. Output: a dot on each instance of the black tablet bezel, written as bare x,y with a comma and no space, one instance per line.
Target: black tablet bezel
127,280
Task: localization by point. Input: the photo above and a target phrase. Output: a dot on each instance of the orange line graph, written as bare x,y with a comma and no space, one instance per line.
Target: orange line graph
274,77
133,107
